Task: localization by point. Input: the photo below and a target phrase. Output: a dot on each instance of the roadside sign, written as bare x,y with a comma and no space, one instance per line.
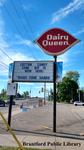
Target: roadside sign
33,71
56,41
11,88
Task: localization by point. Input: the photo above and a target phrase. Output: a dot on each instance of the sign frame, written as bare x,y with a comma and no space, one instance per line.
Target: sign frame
13,80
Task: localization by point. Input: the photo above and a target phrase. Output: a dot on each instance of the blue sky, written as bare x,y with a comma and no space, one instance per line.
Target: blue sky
23,21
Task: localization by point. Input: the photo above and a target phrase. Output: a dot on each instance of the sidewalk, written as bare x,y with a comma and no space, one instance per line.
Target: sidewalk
42,142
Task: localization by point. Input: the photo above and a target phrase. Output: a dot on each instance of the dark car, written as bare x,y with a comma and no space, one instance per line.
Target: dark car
2,103
8,102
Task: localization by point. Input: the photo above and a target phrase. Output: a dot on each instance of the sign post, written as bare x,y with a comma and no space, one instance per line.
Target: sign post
54,87
11,90
10,110
55,42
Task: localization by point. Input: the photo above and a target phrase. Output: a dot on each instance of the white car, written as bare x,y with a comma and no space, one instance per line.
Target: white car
78,103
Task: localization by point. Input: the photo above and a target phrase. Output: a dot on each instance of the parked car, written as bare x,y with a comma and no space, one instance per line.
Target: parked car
8,102
78,103
2,103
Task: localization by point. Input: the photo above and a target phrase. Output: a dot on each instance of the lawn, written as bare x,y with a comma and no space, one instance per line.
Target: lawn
14,148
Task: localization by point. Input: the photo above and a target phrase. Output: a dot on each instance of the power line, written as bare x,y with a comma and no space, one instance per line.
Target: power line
27,20
4,64
15,25
6,54
3,67
13,20
18,15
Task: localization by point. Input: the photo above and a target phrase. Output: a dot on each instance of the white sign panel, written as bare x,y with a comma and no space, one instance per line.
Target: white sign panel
11,88
33,71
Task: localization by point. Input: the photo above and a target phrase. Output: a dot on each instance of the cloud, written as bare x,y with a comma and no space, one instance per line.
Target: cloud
16,57
80,31
67,10
64,58
6,48
27,7
28,43
21,57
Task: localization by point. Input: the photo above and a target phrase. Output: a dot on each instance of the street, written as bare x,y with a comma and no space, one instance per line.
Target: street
69,119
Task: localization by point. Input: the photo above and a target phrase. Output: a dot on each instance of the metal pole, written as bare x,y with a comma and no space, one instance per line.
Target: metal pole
10,110
54,86
44,93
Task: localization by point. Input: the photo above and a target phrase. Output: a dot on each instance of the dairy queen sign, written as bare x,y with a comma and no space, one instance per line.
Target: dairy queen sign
56,41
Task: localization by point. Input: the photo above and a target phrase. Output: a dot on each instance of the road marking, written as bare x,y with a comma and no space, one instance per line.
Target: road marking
46,127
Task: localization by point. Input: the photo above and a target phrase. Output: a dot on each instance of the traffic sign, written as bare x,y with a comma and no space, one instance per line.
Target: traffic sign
12,88
56,41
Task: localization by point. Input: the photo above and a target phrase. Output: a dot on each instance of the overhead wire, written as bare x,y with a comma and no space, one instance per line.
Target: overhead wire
3,65
15,24
1,62
16,27
29,25
13,20
18,15
6,54
27,20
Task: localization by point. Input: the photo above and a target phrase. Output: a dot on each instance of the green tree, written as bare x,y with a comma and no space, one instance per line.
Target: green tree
73,75
67,90
3,94
25,94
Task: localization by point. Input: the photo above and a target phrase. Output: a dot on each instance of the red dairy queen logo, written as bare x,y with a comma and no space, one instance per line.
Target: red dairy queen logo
56,41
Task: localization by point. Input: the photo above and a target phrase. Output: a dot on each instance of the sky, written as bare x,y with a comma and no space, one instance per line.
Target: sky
23,21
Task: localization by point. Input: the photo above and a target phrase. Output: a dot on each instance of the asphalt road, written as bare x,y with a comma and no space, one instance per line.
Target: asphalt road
69,119
27,103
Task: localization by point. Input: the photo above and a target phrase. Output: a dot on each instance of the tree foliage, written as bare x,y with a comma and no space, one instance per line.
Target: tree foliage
67,90
73,75
25,94
3,94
